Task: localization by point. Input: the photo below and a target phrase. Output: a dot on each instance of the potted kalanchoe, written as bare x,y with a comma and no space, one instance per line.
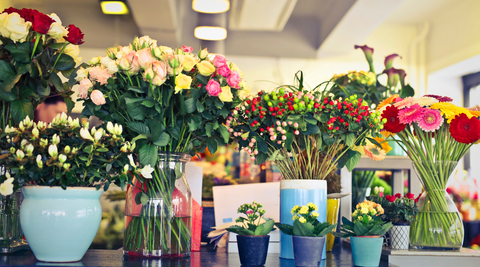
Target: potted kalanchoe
61,166
365,231
252,234
308,234
400,211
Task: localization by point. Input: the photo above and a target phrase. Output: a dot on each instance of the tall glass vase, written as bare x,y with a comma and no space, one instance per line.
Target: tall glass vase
11,235
437,225
159,212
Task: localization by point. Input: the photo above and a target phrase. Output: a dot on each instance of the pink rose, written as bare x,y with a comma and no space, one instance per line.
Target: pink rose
219,61
224,70
187,49
85,85
157,72
213,88
234,79
129,63
145,57
97,97
94,72
103,76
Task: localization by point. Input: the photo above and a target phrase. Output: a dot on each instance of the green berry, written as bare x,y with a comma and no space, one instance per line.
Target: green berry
270,104
295,106
281,99
266,98
275,97
281,91
384,120
296,100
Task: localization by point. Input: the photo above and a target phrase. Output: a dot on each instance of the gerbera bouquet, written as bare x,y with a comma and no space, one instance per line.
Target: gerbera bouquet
435,134
171,101
35,51
319,131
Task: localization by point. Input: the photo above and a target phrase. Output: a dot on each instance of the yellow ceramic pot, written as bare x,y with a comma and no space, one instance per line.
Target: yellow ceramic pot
333,205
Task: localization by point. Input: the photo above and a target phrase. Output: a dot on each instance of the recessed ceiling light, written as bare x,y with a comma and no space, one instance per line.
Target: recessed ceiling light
211,6
210,33
114,7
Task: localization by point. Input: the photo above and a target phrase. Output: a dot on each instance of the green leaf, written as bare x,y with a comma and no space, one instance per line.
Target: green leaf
162,140
141,198
327,139
218,103
6,70
21,53
20,109
138,127
311,129
267,227
262,145
69,102
239,230
375,142
148,154
209,129
102,149
56,81
350,139
88,149
193,125
302,229
354,127
359,229
212,145
406,91
23,68
354,158
200,107
322,229
140,136
259,230
174,132
201,79
148,103
285,228
136,89
10,82
134,108
7,96
190,105
64,63
156,129
224,132
57,46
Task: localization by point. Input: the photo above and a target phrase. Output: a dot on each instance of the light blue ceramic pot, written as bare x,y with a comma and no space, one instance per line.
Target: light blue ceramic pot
366,251
300,192
60,225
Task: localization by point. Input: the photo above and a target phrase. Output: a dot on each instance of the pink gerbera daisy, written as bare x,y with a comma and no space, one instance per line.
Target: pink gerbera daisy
411,114
405,103
431,120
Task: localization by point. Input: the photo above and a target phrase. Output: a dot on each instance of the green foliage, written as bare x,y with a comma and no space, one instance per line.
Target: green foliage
306,223
251,221
398,209
363,228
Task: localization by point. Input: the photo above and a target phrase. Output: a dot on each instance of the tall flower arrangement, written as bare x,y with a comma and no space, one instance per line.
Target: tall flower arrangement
318,130
435,134
35,50
170,101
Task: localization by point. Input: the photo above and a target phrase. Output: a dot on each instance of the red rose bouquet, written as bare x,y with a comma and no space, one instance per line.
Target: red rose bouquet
435,134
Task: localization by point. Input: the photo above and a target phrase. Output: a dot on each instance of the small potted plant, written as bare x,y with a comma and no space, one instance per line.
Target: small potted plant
365,231
308,234
400,211
252,235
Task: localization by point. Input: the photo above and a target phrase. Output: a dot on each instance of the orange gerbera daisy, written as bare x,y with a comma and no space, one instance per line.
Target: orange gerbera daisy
387,101
385,146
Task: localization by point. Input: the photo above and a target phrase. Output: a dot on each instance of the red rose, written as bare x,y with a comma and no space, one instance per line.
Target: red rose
41,22
398,195
11,10
390,198
27,14
410,196
419,195
380,194
75,35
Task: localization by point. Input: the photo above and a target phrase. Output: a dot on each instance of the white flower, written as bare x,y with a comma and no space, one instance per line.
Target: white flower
62,158
85,134
53,151
130,157
39,161
35,132
98,135
110,127
146,172
20,155
29,149
55,139
56,30
6,188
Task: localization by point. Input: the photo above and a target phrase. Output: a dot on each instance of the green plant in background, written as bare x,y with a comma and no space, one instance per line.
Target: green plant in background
305,222
251,221
397,209
366,221
361,183
366,84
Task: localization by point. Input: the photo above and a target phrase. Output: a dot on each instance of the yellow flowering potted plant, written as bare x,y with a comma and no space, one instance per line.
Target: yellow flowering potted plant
173,103
60,168
252,234
308,234
365,231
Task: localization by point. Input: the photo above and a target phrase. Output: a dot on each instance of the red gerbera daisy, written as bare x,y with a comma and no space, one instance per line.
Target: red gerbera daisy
465,130
393,122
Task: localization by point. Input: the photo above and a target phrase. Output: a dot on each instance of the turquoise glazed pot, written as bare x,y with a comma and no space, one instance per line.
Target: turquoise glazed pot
60,225
366,251
300,192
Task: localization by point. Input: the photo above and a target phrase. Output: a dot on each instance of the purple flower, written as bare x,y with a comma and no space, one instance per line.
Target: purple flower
440,98
389,61
368,51
395,76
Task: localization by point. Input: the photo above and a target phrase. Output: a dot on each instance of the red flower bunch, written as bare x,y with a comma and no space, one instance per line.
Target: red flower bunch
75,35
465,130
392,124
40,22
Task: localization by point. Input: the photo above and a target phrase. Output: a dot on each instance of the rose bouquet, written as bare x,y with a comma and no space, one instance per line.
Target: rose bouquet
35,50
319,131
171,101
435,134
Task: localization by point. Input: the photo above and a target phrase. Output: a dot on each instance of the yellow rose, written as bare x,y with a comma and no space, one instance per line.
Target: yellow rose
244,93
302,220
188,62
73,51
205,68
303,210
226,94
203,54
17,26
182,81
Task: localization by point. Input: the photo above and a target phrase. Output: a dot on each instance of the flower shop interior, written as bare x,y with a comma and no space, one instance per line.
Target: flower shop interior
392,55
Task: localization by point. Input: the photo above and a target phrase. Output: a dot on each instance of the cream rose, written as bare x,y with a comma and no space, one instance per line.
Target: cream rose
73,51
226,94
129,63
97,97
145,57
182,81
146,41
245,93
205,68
109,64
17,26
203,54
81,74
56,30
156,73
188,62
4,31
85,85
95,60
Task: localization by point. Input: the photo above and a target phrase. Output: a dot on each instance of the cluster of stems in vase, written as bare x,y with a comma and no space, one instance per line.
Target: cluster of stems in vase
318,130
435,134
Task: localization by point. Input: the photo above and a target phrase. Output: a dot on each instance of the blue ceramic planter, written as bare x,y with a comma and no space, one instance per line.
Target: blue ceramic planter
60,225
308,250
366,251
252,249
300,192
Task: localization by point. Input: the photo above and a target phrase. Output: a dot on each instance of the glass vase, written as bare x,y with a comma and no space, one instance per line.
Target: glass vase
159,212
438,225
11,235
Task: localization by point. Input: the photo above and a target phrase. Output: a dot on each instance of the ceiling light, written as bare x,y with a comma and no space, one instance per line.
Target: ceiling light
114,7
211,6
210,33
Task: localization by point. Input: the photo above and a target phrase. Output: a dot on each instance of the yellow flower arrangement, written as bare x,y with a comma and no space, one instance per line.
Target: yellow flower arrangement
449,110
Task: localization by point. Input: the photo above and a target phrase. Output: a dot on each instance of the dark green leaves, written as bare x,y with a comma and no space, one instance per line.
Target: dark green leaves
406,91
162,140
20,53
302,229
148,154
138,127
64,62
190,105
20,109
354,158
212,145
